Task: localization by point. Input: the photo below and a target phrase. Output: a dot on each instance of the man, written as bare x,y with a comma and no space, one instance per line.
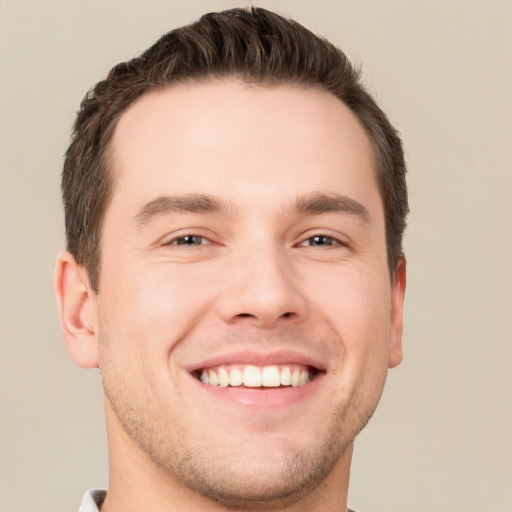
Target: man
235,204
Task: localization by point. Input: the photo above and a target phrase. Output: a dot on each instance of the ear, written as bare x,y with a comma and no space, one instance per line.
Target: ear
77,306
397,308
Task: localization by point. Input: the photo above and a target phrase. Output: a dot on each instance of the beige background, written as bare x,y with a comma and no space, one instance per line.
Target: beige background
442,437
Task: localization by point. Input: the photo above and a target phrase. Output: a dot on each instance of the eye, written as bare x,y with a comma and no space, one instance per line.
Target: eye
321,241
189,240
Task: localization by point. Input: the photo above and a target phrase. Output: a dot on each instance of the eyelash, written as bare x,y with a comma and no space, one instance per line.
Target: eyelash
183,238
332,241
328,241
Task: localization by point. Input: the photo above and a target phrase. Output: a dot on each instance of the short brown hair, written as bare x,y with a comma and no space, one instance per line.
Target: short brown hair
253,44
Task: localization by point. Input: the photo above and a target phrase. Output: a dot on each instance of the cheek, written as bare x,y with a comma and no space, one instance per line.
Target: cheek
356,303
155,307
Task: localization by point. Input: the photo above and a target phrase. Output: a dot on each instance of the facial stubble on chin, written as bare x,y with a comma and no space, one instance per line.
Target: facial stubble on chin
237,483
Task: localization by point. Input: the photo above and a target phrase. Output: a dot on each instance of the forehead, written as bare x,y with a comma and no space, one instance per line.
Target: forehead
234,139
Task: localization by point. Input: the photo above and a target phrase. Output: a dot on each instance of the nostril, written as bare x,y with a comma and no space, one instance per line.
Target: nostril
266,319
249,315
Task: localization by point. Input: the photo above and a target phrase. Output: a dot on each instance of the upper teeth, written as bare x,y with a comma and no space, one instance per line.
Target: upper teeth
255,377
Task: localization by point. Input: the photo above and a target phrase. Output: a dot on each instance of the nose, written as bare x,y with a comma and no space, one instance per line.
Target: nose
262,290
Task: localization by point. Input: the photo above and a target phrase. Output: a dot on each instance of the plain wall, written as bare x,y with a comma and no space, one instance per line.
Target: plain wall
441,439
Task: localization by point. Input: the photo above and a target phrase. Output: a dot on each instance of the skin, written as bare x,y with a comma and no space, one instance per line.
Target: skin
253,285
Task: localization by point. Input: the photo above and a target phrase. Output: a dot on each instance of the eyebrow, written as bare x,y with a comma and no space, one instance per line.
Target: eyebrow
188,203
313,204
318,203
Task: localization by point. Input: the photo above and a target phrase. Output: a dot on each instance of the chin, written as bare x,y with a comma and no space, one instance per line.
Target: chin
250,486
259,479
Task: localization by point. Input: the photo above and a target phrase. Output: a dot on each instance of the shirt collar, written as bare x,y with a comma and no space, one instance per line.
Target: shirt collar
92,500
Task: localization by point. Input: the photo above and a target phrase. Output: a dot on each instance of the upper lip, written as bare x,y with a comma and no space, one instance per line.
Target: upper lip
259,358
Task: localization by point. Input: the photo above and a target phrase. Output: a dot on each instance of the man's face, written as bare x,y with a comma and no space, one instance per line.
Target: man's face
244,241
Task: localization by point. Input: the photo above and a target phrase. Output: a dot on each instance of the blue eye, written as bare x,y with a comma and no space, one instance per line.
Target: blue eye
190,240
320,241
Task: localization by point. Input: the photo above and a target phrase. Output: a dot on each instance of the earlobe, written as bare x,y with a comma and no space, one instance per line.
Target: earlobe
77,307
397,306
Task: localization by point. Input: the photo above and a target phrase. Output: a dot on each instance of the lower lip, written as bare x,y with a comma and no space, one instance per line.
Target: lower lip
263,398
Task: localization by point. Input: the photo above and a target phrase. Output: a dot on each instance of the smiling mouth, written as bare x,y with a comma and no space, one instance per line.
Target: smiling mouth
251,376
